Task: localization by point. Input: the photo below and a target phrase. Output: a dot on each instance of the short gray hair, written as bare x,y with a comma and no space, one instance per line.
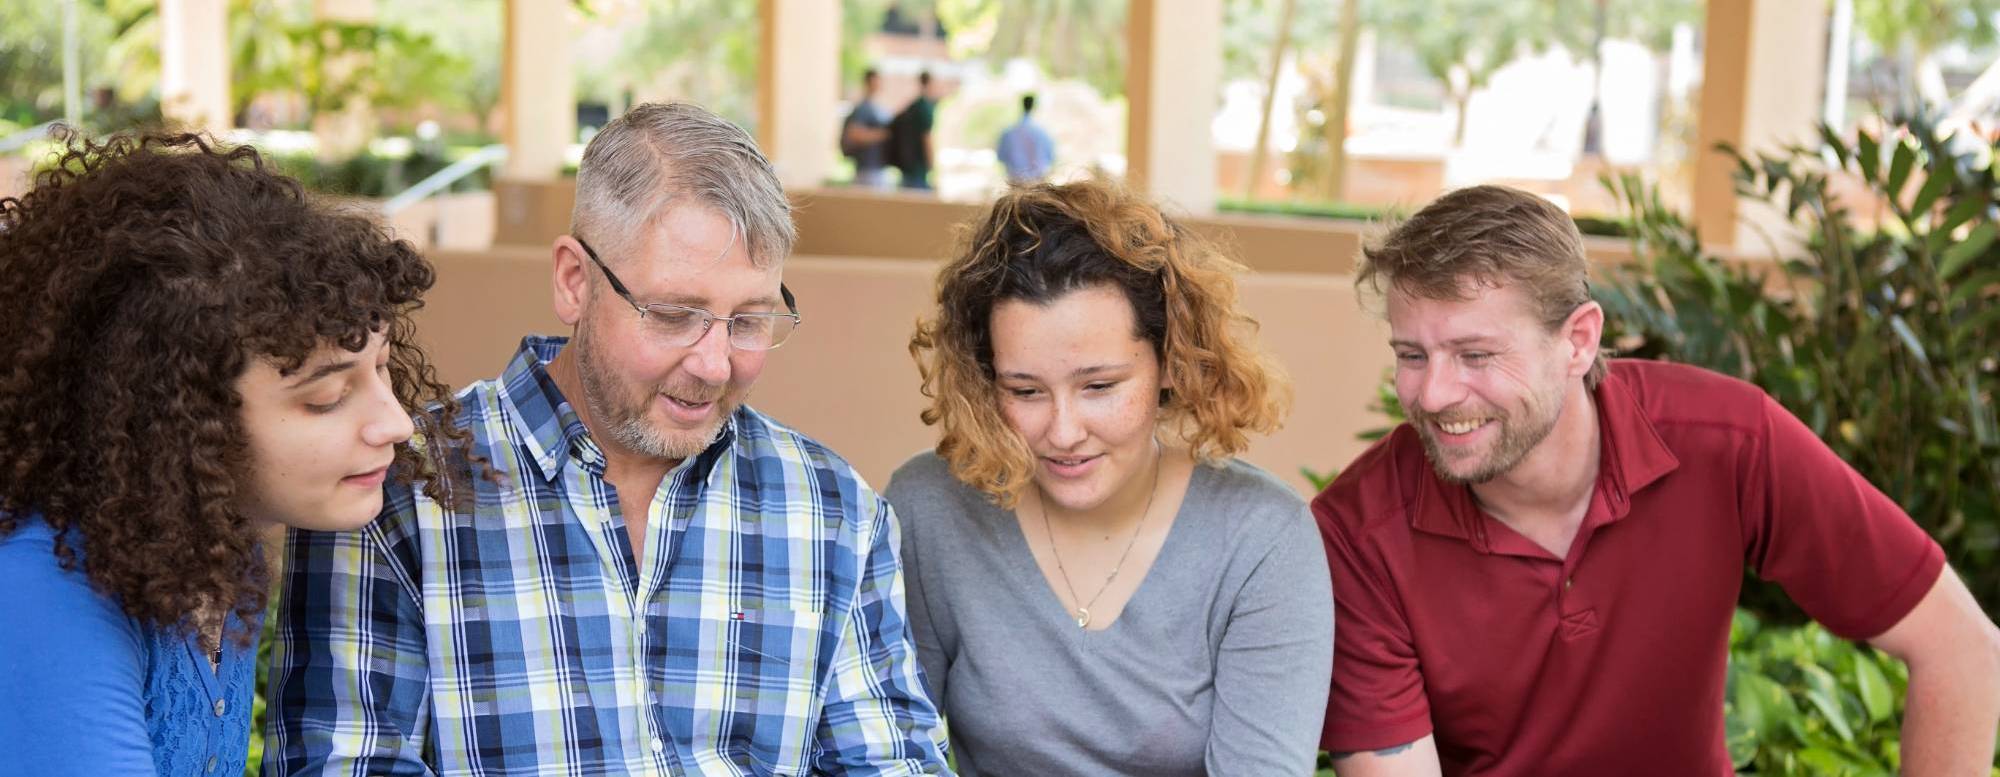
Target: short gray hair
661,152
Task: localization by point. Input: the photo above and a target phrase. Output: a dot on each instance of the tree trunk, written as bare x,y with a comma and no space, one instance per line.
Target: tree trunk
1343,93
1270,97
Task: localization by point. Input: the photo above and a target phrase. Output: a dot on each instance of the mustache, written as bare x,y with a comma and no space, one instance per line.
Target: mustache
694,391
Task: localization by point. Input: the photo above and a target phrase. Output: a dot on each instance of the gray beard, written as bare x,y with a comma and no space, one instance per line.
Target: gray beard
628,427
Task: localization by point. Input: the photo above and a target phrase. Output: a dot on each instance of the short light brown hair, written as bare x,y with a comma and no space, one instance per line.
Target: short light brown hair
1041,242
1486,235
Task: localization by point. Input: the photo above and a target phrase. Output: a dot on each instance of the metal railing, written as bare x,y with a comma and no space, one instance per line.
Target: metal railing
442,179
16,141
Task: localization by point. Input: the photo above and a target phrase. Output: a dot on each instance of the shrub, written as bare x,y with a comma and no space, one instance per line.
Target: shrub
1882,339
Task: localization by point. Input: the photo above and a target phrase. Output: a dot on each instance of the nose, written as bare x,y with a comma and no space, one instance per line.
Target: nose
388,423
1066,429
708,357
1440,386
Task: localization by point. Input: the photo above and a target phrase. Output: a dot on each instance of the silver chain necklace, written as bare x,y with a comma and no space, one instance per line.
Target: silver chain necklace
1083,613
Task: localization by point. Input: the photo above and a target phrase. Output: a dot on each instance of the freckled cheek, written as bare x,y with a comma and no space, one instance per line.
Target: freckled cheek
1026,421
1135,414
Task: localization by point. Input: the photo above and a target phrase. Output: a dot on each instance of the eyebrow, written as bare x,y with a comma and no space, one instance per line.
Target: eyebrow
690,301
1452,343
322,371
1080,372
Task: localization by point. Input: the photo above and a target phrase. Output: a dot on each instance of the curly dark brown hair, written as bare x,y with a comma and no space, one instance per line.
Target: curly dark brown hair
141,276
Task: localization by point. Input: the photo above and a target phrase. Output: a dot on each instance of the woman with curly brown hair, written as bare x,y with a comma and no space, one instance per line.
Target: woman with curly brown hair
191,352
1096,585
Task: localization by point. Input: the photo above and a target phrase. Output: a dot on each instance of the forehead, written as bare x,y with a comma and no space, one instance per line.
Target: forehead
693,254
1494,311
1091,324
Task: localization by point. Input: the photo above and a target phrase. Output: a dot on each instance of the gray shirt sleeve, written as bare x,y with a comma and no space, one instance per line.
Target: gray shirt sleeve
1276,661
931,656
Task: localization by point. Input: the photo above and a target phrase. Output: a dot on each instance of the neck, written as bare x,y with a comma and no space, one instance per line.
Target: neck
620,463
1556,478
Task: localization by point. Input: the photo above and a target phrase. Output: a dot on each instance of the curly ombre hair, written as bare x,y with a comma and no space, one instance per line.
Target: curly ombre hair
1039,243
141,276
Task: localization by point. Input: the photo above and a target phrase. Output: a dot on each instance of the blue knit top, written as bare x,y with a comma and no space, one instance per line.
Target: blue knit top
91,691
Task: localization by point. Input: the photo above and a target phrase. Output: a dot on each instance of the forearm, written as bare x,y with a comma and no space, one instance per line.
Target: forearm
1951,715
1415,759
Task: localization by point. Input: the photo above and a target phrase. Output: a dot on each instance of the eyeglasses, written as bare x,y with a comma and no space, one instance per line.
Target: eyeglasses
679,326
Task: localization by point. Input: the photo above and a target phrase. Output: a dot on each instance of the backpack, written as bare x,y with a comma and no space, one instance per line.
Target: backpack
906,137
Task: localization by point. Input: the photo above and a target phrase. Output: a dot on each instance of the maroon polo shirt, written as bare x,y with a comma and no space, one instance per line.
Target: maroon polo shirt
1609,661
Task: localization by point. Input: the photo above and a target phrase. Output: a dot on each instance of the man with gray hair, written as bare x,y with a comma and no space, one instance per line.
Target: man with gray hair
656,579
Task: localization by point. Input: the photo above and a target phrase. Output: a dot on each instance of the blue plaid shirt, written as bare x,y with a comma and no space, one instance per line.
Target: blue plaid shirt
763,632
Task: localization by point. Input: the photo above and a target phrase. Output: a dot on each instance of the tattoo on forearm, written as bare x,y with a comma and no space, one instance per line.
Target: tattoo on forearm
1383,751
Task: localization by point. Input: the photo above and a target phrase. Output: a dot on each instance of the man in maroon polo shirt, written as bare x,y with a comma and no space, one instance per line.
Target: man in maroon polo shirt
1535,575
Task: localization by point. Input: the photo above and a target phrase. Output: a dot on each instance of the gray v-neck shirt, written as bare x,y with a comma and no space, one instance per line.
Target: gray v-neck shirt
1219,664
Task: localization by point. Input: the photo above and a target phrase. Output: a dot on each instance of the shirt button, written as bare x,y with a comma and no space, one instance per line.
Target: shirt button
211,763
642,626
221,706
1569,583
658,745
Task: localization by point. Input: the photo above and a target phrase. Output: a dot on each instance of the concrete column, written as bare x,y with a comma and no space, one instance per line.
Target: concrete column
1173,83
345,132
798,88
538,90
194,64
1762,81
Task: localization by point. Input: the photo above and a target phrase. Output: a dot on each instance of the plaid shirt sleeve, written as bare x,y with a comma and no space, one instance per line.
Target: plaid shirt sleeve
349,691
876,719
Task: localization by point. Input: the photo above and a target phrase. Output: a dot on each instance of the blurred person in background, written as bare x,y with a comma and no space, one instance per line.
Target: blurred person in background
1025,149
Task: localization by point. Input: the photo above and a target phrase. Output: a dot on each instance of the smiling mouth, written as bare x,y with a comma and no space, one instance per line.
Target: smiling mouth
1461,427
1070,461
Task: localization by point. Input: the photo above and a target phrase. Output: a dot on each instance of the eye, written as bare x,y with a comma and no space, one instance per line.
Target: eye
753,324
673,318
1475,357
1102,385
327,407
1411,358
1022,393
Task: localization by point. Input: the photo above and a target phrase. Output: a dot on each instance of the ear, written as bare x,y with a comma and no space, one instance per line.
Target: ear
1584,332
571,279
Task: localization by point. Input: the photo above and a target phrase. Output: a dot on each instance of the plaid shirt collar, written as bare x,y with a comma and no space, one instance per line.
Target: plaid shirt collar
544,417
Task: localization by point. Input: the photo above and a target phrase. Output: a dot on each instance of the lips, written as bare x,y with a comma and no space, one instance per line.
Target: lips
367,479
1070,466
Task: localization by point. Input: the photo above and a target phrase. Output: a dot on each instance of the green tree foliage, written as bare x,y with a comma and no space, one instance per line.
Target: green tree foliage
1883,340
31,57
1079,39
1462,43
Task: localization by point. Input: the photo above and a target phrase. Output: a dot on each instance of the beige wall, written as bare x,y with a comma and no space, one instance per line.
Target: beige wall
847,379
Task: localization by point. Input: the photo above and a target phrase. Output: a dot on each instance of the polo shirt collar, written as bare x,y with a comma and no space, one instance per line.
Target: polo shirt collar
1632,456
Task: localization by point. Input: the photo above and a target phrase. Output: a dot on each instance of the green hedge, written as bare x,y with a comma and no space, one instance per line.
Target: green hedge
1600,226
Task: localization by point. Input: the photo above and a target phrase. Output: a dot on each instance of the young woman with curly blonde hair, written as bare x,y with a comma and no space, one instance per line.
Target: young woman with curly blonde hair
1096,585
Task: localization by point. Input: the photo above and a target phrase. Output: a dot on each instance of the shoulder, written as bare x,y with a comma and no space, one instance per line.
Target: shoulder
1377,489
924,476
777,455
54,603
927,496
1254,508
55,626
1257,497
1670,395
